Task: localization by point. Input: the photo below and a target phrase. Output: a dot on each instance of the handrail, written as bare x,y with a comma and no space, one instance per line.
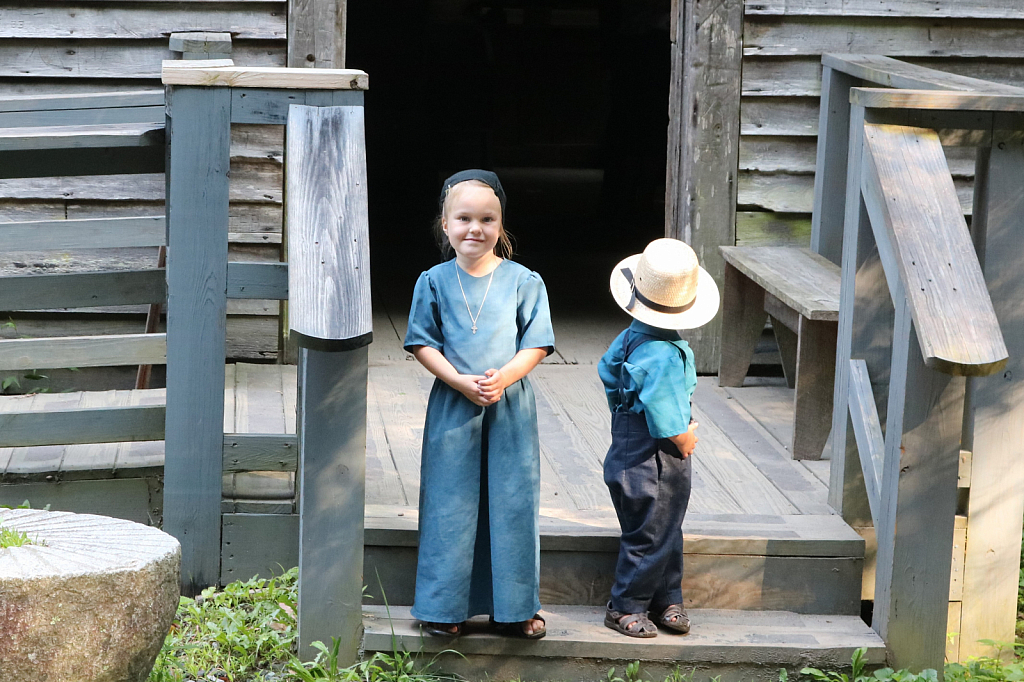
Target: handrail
887,98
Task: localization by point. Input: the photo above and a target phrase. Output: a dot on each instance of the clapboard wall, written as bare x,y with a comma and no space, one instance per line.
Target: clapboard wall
116,45
781,77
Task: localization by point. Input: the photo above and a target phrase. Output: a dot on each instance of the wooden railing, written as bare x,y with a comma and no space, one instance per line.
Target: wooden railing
931,340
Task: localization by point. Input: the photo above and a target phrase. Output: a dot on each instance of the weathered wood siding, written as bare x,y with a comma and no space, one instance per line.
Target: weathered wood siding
117,45
782,45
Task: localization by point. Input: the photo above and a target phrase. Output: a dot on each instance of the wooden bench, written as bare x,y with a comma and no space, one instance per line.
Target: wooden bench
799,291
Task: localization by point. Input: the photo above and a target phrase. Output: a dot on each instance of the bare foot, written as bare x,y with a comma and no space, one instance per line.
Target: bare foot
532,626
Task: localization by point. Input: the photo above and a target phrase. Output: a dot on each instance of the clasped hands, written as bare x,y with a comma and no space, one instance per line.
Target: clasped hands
485,389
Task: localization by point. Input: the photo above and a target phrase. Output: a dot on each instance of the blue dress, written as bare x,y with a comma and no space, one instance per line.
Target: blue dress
479,546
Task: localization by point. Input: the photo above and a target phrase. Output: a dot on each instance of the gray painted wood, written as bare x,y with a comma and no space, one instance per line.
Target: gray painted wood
257,280
265,106
82,117
262,545
893,73
912,203
83,289
885,98
815,381
90,100
868,432
257,22
83,233
996,405
743,319
332,452
830,167
82,136
260,452
965,9
798,277
133,499
81,425
197,222
705,208
327,222
918,505
316,33
83,351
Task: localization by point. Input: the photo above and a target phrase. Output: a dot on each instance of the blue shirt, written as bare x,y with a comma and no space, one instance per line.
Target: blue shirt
513,316
659,379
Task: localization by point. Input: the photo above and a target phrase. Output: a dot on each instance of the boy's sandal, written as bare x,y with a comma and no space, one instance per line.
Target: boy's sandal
442,629
519,629
681,624
622,622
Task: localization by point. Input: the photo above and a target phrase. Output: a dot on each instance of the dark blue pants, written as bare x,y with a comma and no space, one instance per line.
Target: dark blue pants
650,490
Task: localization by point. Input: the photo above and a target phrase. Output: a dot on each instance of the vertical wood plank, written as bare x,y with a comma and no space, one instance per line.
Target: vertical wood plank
996,506
316,33
831,165
743,319
332,451
786,340
197,226
704,213
918,506
815,381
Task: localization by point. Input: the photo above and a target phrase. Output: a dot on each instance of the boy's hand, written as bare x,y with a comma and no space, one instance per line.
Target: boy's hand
686,442
492,385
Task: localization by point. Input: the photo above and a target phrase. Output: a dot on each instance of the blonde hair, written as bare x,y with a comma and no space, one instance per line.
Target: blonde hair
503,249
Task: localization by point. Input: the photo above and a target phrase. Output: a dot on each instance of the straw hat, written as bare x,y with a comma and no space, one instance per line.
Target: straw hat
665,287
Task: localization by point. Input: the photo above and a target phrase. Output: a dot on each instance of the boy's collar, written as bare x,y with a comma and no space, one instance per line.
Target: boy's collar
666,334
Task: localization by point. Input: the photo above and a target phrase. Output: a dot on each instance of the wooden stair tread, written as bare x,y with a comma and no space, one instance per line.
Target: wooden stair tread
723,636
800,278
82,136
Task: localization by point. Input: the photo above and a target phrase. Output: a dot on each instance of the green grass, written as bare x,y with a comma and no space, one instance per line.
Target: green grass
13,538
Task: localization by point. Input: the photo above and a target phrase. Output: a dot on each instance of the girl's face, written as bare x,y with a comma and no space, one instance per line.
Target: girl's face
472,220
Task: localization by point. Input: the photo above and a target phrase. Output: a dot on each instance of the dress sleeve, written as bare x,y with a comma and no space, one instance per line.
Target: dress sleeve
533,316
424,317
665,391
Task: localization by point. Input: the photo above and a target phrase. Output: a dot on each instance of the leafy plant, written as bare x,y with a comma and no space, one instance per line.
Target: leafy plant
632,673
13,538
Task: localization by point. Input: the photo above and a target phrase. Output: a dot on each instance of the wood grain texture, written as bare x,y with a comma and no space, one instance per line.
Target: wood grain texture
830,165
995,412
80,425
918,505
705,206
912,203
971,9
252,452
197,222
183,73
800,278
787,341
201,42
268,106
83,351
82,136
80,290
84,233
743,319
815,381
80,101
894,73
884,98
257,281
86,20
868,432
317,33
328,224
82,117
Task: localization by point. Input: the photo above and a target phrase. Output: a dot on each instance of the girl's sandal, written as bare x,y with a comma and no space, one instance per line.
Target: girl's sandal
443,629
681,622
630,624
519,629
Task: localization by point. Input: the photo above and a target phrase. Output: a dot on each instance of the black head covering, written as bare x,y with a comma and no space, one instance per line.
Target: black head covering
486,177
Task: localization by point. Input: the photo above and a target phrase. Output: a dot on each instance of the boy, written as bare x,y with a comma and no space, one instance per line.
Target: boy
649,376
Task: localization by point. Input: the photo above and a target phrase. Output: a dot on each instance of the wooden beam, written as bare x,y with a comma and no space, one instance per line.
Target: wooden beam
996,414
317,33
964,9
111,350
886,98
815,382
81,425
327,203
91,100
82,289
703,212
868,432
910,197
269,106
197,222
918,503
893,73
202,42
82,136
260,452
257,280
187,73
82,233
743,319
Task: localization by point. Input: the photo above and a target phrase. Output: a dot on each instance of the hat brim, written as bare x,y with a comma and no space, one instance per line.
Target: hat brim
704,308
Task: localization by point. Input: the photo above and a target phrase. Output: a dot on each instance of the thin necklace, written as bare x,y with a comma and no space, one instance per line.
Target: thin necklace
474,318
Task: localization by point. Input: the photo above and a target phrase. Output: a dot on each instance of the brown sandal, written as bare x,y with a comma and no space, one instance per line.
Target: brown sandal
621,622
681,624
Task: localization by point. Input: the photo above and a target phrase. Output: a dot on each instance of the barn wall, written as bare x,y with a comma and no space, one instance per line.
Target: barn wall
782,45
116,45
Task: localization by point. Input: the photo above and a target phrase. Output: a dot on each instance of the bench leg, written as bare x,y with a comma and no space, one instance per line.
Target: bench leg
743,319
815,383
786,339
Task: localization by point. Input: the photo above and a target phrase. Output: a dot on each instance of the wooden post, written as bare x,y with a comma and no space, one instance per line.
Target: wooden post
918,505
815,366
198,134
996,505
830,169
743,319
329,287
703,144
316,33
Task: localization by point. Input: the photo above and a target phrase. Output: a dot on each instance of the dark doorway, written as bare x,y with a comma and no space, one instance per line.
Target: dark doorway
566,99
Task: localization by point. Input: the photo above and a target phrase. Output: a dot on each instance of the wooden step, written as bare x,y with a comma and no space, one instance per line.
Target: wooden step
738,645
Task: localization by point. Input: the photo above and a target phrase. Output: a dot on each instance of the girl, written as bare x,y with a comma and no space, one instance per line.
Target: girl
479,323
